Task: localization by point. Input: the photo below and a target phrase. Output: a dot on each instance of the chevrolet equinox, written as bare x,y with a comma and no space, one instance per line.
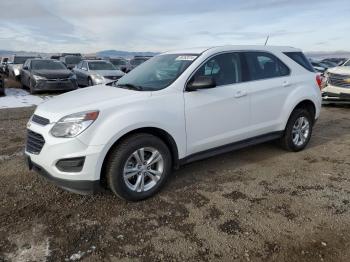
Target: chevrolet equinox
175,108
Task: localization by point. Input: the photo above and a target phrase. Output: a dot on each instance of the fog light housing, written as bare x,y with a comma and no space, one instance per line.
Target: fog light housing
71,165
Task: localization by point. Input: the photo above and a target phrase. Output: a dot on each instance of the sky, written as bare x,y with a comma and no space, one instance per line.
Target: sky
89,26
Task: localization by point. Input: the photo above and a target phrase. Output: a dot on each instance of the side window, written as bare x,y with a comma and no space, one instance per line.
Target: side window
225,69
84,66
263,65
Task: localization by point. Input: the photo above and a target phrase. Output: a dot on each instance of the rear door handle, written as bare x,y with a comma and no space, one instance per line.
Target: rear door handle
240,93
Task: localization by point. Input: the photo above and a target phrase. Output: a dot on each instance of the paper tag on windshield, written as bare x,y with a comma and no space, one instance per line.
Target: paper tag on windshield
186,57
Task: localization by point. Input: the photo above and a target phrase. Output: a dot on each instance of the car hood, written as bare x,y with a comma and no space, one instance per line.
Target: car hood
91,98
53,74
108,72
341,70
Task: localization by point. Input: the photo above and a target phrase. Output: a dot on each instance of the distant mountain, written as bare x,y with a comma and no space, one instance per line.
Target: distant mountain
115,53
325,54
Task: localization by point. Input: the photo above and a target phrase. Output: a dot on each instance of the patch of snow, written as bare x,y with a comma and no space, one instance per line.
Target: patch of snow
20,98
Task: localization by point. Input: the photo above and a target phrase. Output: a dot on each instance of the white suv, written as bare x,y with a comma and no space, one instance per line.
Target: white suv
175,108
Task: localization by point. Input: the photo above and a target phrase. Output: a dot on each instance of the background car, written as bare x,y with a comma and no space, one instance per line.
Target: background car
47,75
70,60
336,84
95,72
14,68
120,63
136,61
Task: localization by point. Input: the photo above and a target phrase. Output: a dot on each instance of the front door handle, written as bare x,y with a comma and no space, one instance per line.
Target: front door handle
240,93
286,84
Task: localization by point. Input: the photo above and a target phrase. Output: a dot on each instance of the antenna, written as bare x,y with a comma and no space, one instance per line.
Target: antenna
267,39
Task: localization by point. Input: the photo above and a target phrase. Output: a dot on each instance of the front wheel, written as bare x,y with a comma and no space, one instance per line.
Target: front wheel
138,167
298,130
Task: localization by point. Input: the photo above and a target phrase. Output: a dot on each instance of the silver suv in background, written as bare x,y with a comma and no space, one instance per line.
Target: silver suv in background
95,72
70,60
136,61
120,63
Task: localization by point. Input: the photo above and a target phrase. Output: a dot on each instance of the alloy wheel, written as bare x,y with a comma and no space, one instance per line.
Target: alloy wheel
301,131
143,169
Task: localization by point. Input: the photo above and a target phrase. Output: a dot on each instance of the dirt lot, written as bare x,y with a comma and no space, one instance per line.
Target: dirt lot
256,204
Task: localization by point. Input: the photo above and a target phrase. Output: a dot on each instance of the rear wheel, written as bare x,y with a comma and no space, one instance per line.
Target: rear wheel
298,130
138,167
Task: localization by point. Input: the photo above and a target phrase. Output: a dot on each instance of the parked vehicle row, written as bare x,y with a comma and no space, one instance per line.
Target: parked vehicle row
178,107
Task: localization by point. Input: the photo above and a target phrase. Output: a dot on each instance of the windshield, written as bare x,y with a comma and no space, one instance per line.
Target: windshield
347,63
72,60
47,65
101,65
118,62
21,59
158,72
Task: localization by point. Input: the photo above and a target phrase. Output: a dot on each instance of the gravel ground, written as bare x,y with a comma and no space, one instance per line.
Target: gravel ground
256,204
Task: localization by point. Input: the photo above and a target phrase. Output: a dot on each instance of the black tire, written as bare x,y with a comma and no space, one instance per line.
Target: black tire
287,139
90,83
119,157
32,91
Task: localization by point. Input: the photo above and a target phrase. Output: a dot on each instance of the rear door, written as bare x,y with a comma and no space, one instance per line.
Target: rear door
219,115
269,86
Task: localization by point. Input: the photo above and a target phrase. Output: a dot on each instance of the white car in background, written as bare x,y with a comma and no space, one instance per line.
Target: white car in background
15,65
336,84
175,108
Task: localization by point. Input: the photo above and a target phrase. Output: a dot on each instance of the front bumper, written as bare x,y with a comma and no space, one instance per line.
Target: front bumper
335,94
55,85
55,150
83,187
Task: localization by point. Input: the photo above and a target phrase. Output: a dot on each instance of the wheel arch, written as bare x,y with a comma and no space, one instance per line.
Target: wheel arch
308,104
158,132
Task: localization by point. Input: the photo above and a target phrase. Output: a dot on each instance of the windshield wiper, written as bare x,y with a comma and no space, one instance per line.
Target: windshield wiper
130,86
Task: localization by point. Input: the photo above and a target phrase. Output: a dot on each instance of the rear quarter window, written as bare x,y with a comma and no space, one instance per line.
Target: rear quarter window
262,65
300,58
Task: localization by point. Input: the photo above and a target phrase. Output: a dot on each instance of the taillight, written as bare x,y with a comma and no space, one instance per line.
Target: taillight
319,81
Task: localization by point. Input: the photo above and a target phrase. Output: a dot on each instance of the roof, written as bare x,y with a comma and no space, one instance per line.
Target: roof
200,50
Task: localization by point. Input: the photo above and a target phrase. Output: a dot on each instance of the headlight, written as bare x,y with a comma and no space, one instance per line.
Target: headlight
16,71
38,77
97,77
73,125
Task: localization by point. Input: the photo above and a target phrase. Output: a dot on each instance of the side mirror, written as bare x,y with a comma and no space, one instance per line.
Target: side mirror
201,82
25,68
123,69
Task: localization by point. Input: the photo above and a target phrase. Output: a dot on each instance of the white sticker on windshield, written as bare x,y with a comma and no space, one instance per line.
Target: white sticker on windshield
186,57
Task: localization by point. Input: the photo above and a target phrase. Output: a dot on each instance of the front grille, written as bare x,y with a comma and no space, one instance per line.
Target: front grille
113,77
40,120
339,80
35,142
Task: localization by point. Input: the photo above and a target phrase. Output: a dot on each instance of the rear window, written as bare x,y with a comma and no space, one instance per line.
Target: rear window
300,58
